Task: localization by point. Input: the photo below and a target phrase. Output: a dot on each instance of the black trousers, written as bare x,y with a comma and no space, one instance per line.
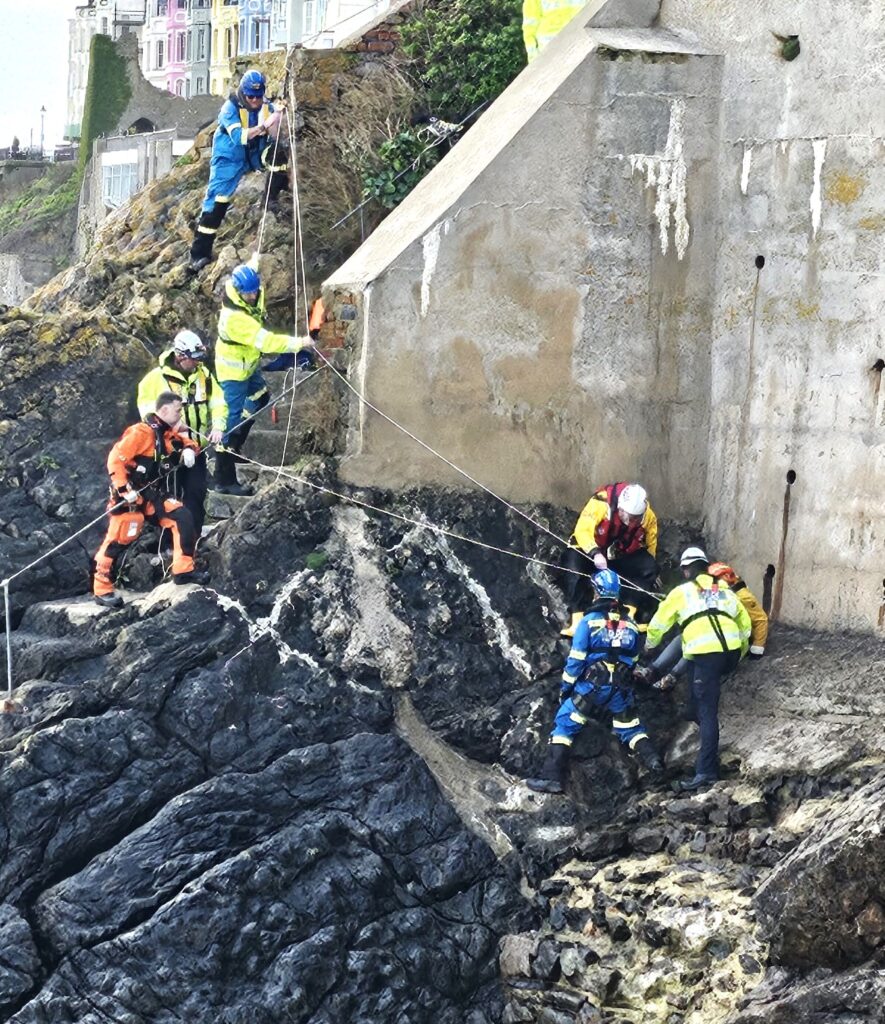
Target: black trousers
190,486
705,674
639,567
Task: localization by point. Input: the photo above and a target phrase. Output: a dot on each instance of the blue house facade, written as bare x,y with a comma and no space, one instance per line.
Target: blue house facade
255,18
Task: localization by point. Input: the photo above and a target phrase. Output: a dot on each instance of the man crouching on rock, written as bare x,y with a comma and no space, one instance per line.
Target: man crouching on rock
140,466
598,677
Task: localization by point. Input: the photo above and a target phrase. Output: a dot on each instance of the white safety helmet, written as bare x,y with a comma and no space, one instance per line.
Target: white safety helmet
189,344
691,555
633,500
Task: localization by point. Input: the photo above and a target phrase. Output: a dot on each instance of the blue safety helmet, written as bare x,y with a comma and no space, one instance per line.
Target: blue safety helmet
253,83
245,279
607,584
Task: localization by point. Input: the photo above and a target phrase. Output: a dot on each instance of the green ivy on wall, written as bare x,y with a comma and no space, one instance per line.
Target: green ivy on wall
465,52
107,93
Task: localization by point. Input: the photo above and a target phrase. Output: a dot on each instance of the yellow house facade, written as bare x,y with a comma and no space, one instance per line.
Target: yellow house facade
225,44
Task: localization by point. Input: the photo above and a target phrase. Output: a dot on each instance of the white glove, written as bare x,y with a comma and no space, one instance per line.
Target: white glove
273,120
215,436
130,495
188,458
599,561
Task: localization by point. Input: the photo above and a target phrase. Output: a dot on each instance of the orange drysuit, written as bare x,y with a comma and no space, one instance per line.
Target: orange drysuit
141,461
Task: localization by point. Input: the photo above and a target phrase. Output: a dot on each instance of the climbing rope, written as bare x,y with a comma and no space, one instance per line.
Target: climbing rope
414,164
83,529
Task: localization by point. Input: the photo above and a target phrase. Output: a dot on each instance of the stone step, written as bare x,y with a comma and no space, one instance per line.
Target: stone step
268,445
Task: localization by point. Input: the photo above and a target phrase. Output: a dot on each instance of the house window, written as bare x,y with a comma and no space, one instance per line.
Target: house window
256,36
181,45
199,89
179,88
228,40
161,53
118,182
161,9
190,48
187,89
201,44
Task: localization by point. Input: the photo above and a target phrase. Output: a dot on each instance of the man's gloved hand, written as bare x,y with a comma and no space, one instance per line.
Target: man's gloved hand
665,683
129,495
600,561
215,436
645,674
188,458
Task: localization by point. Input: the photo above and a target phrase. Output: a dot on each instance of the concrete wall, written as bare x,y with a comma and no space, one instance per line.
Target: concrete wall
572,295
20,276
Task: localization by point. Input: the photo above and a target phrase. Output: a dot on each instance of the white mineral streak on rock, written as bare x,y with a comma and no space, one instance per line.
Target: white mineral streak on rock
499,633
268,626
430,246
745,169
820,152
375,626
666,172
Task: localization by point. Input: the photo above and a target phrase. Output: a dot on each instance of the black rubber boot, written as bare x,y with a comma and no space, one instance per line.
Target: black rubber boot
695,784
195,576
201,251
109,600
649,758
225,479
552,772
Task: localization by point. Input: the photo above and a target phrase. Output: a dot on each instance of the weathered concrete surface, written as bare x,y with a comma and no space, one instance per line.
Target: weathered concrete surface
572,296
501,316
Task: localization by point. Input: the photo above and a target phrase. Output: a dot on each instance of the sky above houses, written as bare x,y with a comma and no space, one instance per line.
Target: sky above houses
34,68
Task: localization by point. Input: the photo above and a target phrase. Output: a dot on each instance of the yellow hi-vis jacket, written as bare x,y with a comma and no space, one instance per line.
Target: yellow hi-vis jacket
544,19
596,530
758,618
243,338
708,613
202,400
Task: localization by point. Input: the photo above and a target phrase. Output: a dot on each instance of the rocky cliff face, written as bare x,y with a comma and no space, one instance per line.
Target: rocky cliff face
295,794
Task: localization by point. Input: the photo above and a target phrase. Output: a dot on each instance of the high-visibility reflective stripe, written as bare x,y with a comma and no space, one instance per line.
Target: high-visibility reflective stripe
635,739
563,741
577,655
206,231
257,394
223,199
620,724
259,338
576,716
236,364
566,678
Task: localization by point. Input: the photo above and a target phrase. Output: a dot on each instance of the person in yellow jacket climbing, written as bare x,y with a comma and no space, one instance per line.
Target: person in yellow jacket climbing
669,665
242,341
544,19
758,616
617,529
715,631
182,370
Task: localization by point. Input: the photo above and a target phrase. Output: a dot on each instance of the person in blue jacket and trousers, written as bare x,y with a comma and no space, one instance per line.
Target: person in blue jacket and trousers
598,678
245,140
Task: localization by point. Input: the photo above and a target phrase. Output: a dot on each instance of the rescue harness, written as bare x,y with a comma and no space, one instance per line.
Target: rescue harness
713,614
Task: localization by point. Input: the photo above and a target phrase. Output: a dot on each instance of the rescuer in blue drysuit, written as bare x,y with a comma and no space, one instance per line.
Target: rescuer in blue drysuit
598,678
245,140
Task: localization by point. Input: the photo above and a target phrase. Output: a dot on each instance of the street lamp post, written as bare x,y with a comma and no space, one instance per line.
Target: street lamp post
42,116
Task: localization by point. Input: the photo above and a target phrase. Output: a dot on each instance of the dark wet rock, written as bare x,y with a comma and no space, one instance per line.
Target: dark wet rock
647,839
20,966
823,997
821,905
